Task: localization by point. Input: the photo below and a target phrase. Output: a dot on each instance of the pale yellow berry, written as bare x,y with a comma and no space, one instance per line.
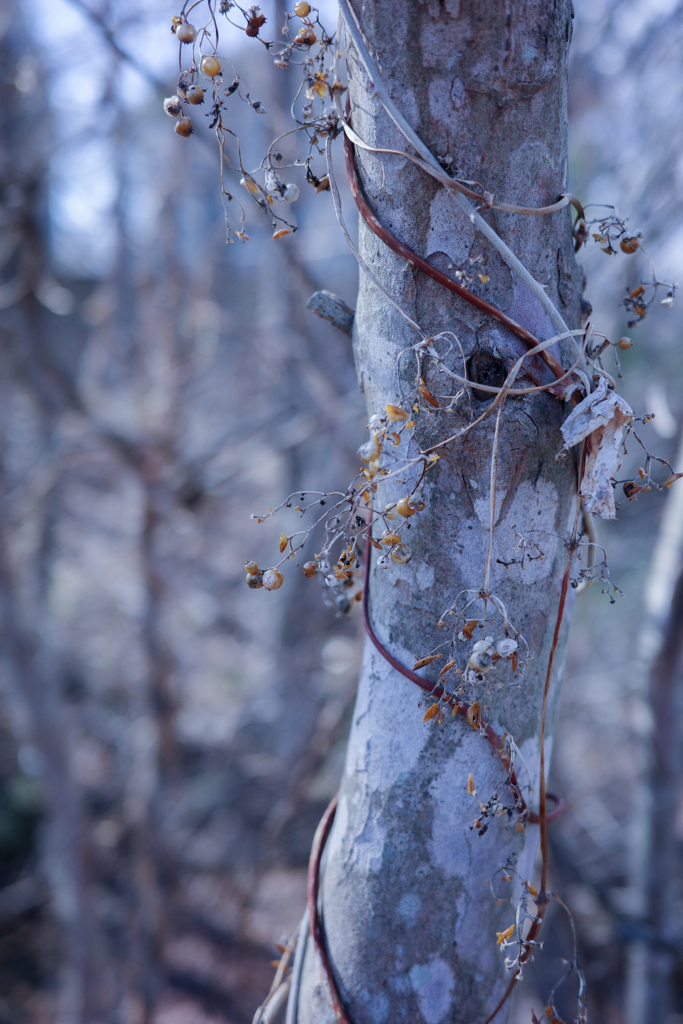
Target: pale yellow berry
310,568
211,66
404,508
302,9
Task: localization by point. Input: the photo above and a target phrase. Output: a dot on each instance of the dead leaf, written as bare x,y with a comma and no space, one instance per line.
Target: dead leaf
672,479
431,712
600,420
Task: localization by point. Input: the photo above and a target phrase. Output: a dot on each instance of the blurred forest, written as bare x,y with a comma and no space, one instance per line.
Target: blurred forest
168,738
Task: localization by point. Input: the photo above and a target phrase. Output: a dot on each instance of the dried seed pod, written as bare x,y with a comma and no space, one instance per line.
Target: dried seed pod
506,647
184,127
173,106
254,580
195,94
302,9
481,662
250,567
401,554
629,245
291,193
310,569
284,540
390,512
404,508
470,785
250,185
211,66
186,33
624,343
281,64
272,579
281,233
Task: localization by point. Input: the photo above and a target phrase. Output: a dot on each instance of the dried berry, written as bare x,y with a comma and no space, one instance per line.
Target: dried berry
272,579
254,21
305,37
629,245
186,33
173,106
481,662
195,94
184,127
401,554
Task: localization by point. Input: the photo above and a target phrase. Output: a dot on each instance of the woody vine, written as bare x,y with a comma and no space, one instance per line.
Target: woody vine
482,650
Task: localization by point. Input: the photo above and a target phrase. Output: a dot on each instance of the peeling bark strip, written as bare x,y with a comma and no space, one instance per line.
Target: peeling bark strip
410,927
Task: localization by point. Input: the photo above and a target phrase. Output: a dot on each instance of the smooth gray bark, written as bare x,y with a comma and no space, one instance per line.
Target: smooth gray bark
410,926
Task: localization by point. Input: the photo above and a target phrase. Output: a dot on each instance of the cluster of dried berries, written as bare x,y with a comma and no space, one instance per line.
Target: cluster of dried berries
611,233
305,44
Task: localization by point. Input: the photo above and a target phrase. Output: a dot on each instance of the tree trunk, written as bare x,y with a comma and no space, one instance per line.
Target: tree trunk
410,925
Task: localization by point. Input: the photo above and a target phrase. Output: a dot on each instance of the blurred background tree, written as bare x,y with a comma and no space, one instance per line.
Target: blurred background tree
168,739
